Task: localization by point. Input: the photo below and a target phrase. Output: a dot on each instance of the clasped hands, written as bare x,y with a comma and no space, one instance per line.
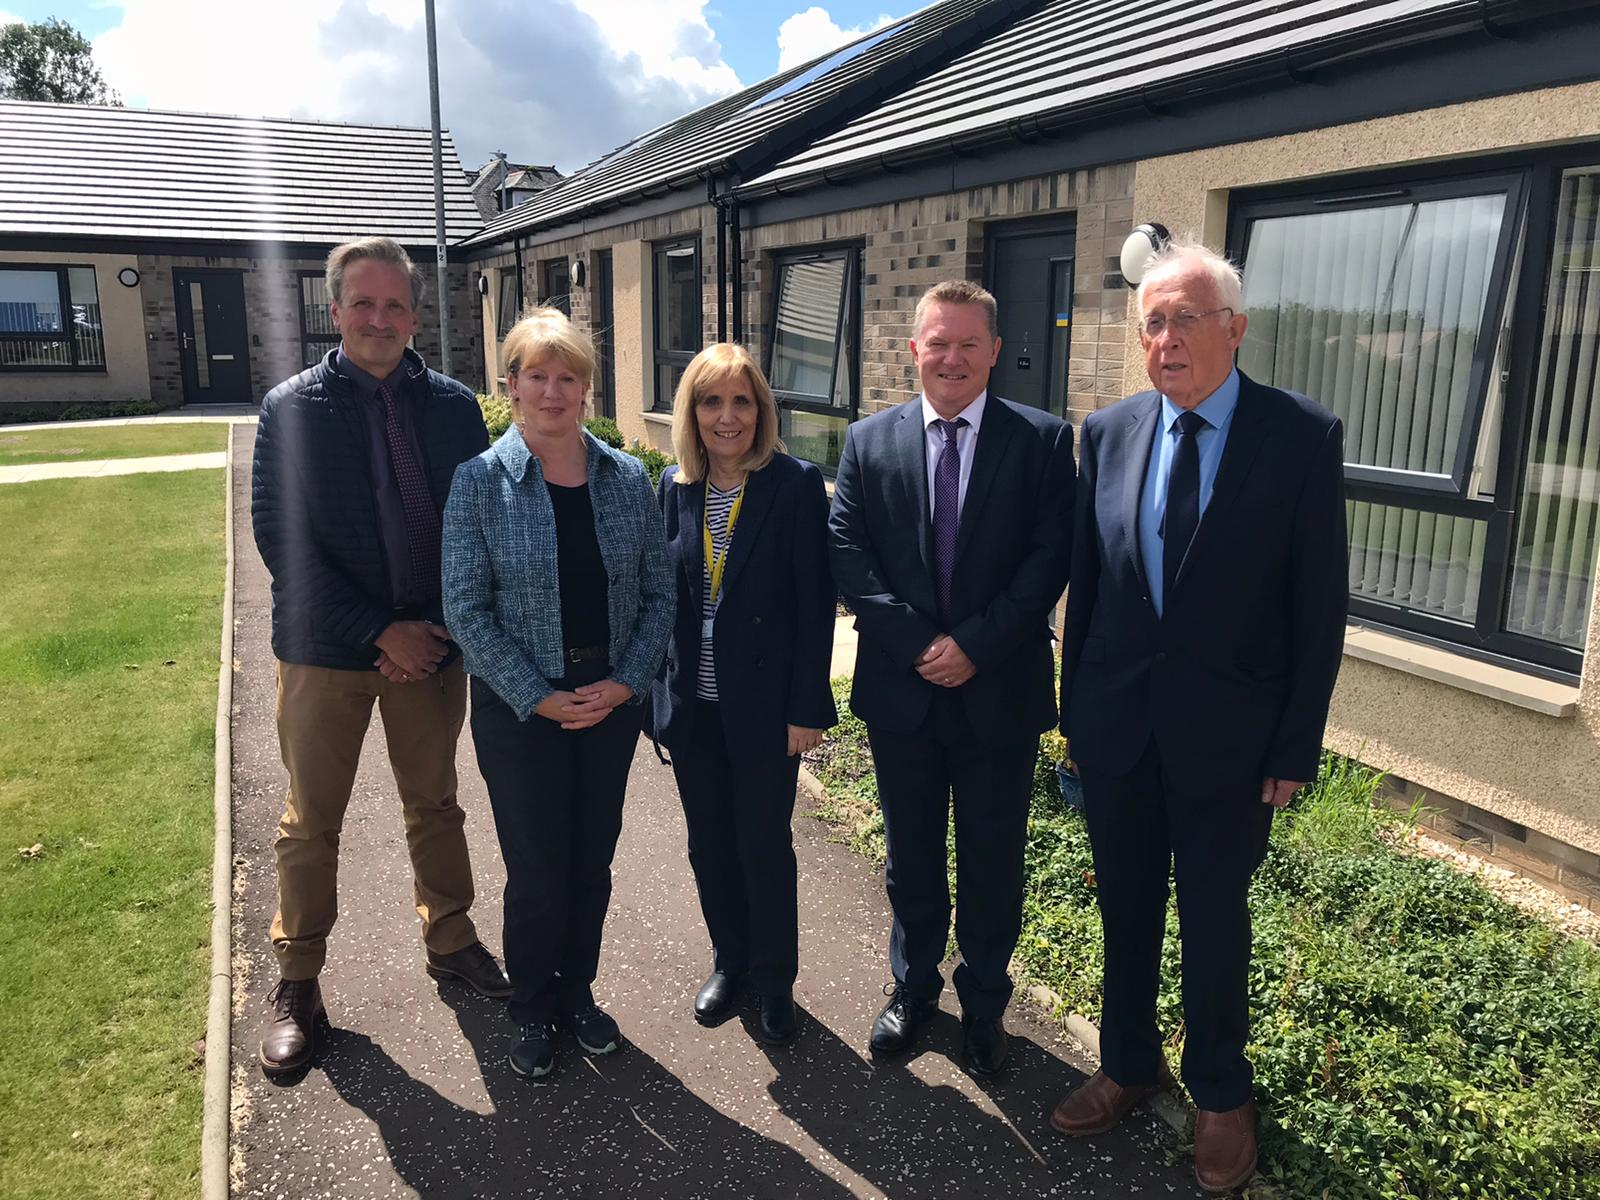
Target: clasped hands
944,663
411,650
585,706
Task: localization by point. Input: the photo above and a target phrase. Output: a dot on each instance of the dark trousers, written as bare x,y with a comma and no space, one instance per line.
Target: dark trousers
919,775
557,799
1211,834
738,807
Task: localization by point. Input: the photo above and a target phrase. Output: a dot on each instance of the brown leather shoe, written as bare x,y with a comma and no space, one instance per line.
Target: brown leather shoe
1225,1147
1099,1104
474,966
289,1038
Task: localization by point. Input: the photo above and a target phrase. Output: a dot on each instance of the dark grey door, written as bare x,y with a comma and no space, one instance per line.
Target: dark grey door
605,337
213,339
1030,274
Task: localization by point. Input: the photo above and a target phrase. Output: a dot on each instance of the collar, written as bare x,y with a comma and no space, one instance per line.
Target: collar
411,366
1216,408
515,456
972,413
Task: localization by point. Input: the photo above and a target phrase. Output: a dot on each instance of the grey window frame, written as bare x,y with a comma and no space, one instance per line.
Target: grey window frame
659,251
850,309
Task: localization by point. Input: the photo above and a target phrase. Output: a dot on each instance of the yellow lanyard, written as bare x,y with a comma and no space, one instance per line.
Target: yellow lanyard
714,561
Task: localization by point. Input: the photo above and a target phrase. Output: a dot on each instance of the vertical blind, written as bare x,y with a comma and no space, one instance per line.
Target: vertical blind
1552,578
806,328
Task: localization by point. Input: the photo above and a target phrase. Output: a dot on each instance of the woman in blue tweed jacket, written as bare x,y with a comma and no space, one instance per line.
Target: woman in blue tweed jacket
558,590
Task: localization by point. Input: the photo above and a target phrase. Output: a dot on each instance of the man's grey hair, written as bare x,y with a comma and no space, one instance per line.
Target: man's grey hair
1226,278
382,249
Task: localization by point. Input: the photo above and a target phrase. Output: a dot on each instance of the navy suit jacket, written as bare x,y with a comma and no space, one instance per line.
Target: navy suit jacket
774,628
1236,676
1013,546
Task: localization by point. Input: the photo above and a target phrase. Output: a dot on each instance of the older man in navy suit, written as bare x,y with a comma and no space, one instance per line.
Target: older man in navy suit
951,515
1203,635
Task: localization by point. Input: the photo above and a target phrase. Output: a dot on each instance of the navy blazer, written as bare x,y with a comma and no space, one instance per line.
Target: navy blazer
1013,547
1237,674
773,636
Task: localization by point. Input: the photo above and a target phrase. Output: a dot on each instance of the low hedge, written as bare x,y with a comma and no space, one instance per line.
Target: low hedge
1415,1036
497,416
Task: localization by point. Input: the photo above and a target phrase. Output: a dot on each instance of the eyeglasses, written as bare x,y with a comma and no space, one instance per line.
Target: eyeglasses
1180,323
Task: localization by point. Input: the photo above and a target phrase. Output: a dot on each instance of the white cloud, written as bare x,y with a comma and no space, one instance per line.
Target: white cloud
561,81
812,33
9,18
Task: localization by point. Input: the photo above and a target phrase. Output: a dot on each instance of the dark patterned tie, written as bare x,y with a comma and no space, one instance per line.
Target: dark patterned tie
422,518
1183,502
946,511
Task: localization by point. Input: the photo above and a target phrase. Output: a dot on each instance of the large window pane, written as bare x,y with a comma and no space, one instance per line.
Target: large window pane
1378,313
814,437
557,291
30,301
1421,561
506,306
805,333
678,299
1558,533
35,352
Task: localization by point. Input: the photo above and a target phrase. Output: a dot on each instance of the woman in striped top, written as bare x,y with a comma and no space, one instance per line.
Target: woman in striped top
745,689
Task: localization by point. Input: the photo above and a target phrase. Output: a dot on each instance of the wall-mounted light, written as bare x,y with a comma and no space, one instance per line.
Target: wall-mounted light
580,273
1140,249
128,277
483,285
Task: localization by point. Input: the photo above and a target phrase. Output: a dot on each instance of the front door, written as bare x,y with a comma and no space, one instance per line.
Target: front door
213,342
1030,274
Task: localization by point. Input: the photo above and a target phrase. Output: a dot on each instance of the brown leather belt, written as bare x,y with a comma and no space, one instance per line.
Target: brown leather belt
580,654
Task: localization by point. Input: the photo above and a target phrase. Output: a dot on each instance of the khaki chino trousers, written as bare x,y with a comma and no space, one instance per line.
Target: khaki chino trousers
323,716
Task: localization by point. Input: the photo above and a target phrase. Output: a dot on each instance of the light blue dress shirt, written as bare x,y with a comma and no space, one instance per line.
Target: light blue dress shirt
1217,409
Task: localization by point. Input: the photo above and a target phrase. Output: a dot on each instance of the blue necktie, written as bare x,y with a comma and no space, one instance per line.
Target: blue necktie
946,511
1183,502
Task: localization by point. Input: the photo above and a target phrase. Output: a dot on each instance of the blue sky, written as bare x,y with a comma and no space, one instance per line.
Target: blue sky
746,29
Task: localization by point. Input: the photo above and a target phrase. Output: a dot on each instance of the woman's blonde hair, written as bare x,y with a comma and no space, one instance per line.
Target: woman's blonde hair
710,367
546,333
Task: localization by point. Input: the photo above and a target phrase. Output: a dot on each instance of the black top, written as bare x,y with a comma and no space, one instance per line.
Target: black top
406,588
580,570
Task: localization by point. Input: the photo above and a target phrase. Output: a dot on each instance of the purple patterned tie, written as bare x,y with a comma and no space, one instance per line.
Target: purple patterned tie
422,518
946,511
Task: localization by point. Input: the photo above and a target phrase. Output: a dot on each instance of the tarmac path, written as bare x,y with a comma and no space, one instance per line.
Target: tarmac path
412,1096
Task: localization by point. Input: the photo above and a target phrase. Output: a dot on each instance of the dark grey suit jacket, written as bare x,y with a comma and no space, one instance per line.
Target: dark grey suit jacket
1013,547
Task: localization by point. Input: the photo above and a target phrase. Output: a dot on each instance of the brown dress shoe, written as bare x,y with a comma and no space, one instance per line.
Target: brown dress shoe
1225,1147
1099,1104
474,966
289,1038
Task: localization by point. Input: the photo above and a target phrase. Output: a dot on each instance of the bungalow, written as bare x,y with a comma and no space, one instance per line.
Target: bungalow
1413,189
176,258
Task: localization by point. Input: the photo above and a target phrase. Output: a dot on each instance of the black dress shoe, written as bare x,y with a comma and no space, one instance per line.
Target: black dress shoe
474,966
780,1021
896,1027
984,1047
715,998
289,1038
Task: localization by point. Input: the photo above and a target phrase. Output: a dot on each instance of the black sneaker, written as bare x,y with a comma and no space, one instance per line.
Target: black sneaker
596,1032
535,1050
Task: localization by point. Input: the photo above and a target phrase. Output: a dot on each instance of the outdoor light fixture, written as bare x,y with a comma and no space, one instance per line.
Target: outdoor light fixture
483,285
1140,248
128,277
579,275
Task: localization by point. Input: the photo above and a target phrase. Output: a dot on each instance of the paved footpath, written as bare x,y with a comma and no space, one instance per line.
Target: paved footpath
413,1097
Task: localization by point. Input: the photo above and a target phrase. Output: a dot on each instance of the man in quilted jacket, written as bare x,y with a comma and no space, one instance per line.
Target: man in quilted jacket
353,463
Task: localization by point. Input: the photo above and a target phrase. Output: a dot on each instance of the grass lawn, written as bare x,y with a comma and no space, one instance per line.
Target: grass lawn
18,448
110,613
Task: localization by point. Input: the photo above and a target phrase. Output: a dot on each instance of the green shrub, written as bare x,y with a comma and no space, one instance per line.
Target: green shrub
654,460
606,430
1415,1037
20,414
496,414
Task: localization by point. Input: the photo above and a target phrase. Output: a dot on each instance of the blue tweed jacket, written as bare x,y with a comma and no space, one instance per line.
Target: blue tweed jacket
502,601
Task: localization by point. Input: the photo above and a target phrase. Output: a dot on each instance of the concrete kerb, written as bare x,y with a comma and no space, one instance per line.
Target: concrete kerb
1164,1104
219,1037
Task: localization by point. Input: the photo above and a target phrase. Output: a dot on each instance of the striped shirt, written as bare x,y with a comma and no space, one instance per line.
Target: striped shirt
718,505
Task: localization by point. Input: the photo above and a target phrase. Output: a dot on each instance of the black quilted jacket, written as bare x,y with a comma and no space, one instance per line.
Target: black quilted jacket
315,512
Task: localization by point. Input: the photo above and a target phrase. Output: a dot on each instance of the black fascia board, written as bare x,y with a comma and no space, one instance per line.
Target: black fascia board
825,118
1473,67
133,244
623,214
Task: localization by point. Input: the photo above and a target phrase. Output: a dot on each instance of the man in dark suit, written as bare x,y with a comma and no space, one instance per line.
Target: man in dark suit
1203,635
950,530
